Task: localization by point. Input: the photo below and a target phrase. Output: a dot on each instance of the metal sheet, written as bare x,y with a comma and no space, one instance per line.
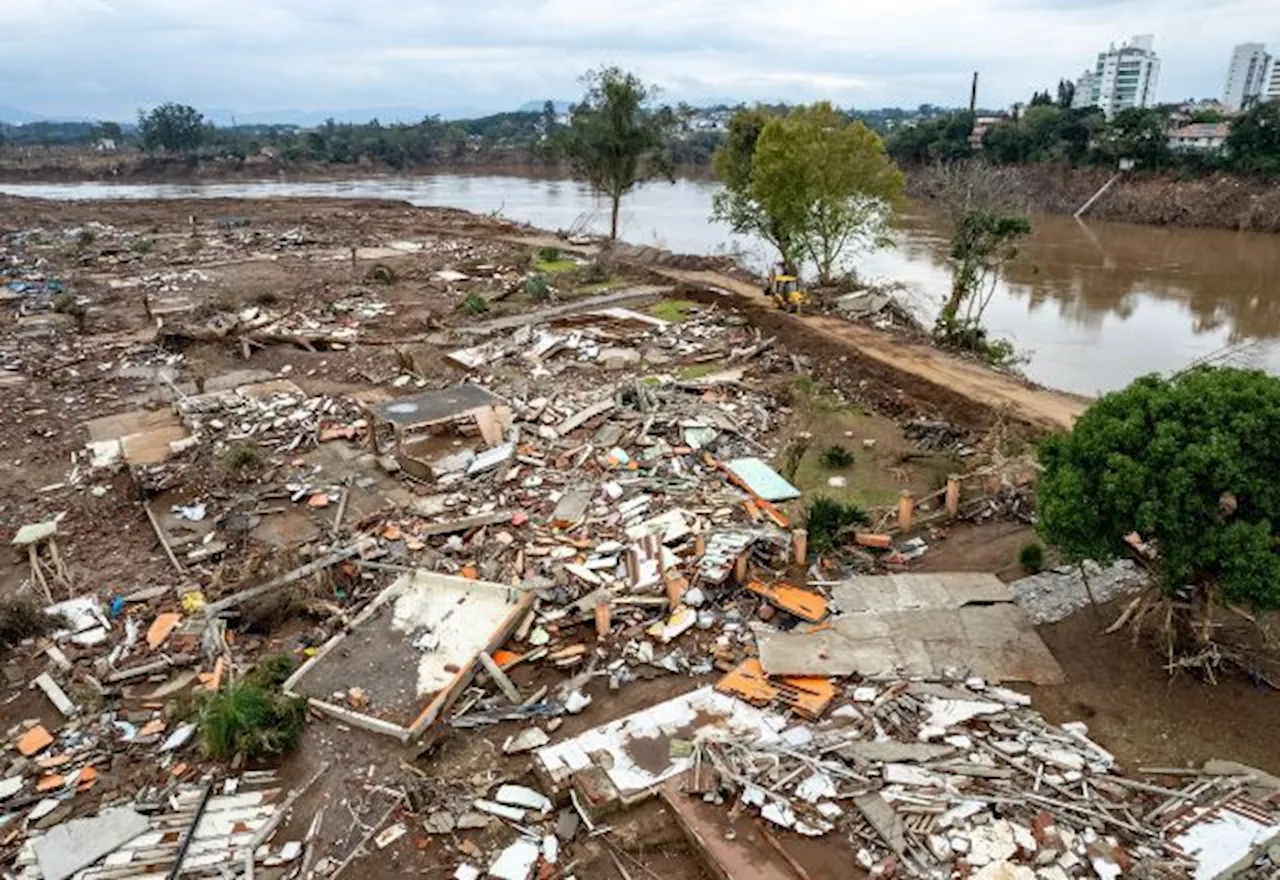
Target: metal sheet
762,479
432,406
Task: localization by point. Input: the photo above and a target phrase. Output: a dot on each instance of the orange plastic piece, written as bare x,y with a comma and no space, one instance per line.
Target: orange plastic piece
505,658
875,542
34,740
808,696
219,670
154,727
804,604
161,627
50,782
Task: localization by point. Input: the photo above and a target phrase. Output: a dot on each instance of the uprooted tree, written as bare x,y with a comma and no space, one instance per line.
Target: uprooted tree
617,138
1189,465
812,183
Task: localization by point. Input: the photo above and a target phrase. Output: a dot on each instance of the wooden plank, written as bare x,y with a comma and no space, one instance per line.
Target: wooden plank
748,856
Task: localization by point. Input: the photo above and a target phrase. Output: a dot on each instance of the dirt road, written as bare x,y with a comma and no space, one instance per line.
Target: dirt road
1041,407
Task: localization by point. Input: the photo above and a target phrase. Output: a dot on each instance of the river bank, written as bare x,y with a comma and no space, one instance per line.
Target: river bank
1092,305
1216,201
81,166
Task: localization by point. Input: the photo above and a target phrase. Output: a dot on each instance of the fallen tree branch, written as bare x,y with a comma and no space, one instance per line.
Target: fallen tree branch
213,609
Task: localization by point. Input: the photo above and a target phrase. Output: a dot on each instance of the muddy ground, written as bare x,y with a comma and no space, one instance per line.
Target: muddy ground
298,254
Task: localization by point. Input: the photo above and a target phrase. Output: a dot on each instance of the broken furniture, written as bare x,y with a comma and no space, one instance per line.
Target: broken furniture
425,428
409,655
33,537
142,437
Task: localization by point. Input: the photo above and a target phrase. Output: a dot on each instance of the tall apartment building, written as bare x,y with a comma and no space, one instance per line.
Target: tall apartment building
1271,82
1247,76
1124,76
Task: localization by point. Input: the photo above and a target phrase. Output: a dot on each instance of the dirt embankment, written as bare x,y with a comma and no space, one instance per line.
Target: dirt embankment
1220,200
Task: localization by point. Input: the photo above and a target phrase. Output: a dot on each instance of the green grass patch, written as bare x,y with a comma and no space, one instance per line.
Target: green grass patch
553,266
836,458
674,310
252,717
1031,558
830,523
475,305
600,286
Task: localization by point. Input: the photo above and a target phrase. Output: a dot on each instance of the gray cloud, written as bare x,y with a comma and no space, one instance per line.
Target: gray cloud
109,57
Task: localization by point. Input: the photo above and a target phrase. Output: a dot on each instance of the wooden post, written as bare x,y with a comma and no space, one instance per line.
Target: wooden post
906,510
800,545
604,620
676,587
700,546
953,494
740,567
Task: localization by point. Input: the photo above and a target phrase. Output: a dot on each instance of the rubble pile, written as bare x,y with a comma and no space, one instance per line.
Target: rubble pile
927,779
489,543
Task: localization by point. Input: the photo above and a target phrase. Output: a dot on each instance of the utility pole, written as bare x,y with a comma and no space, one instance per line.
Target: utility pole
973,94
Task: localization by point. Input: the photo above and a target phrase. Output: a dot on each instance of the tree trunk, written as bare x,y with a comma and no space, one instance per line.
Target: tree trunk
613,220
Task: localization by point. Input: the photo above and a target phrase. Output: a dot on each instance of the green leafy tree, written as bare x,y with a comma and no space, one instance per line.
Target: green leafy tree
1066,93
1187,463
982,244
617,138
945,139
1138,133
736,204
1041,99
173,128
813,183
1254,141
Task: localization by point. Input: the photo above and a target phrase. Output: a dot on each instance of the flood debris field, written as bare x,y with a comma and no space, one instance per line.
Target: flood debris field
521,540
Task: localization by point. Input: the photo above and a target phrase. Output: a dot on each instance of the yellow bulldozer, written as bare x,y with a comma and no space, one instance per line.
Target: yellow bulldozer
787,292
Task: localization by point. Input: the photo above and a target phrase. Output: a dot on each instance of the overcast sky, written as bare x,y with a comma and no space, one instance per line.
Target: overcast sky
106,58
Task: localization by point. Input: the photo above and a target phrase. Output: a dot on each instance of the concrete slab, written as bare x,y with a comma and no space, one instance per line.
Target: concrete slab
918,625
73,845
411,652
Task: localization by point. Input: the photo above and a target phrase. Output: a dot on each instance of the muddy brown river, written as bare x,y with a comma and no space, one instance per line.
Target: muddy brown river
1091,305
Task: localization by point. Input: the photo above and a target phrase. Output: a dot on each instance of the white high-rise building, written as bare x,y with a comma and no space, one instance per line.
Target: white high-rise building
1271,82
1123,77
1247,76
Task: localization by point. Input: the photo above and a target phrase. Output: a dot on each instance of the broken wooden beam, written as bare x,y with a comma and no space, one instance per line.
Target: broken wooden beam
464,524
509,690
582,416
213,609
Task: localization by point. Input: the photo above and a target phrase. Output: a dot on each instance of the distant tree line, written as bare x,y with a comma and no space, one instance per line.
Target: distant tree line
1051,130
534,137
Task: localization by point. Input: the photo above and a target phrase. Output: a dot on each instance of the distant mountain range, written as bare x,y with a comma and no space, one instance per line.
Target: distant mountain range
14,116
